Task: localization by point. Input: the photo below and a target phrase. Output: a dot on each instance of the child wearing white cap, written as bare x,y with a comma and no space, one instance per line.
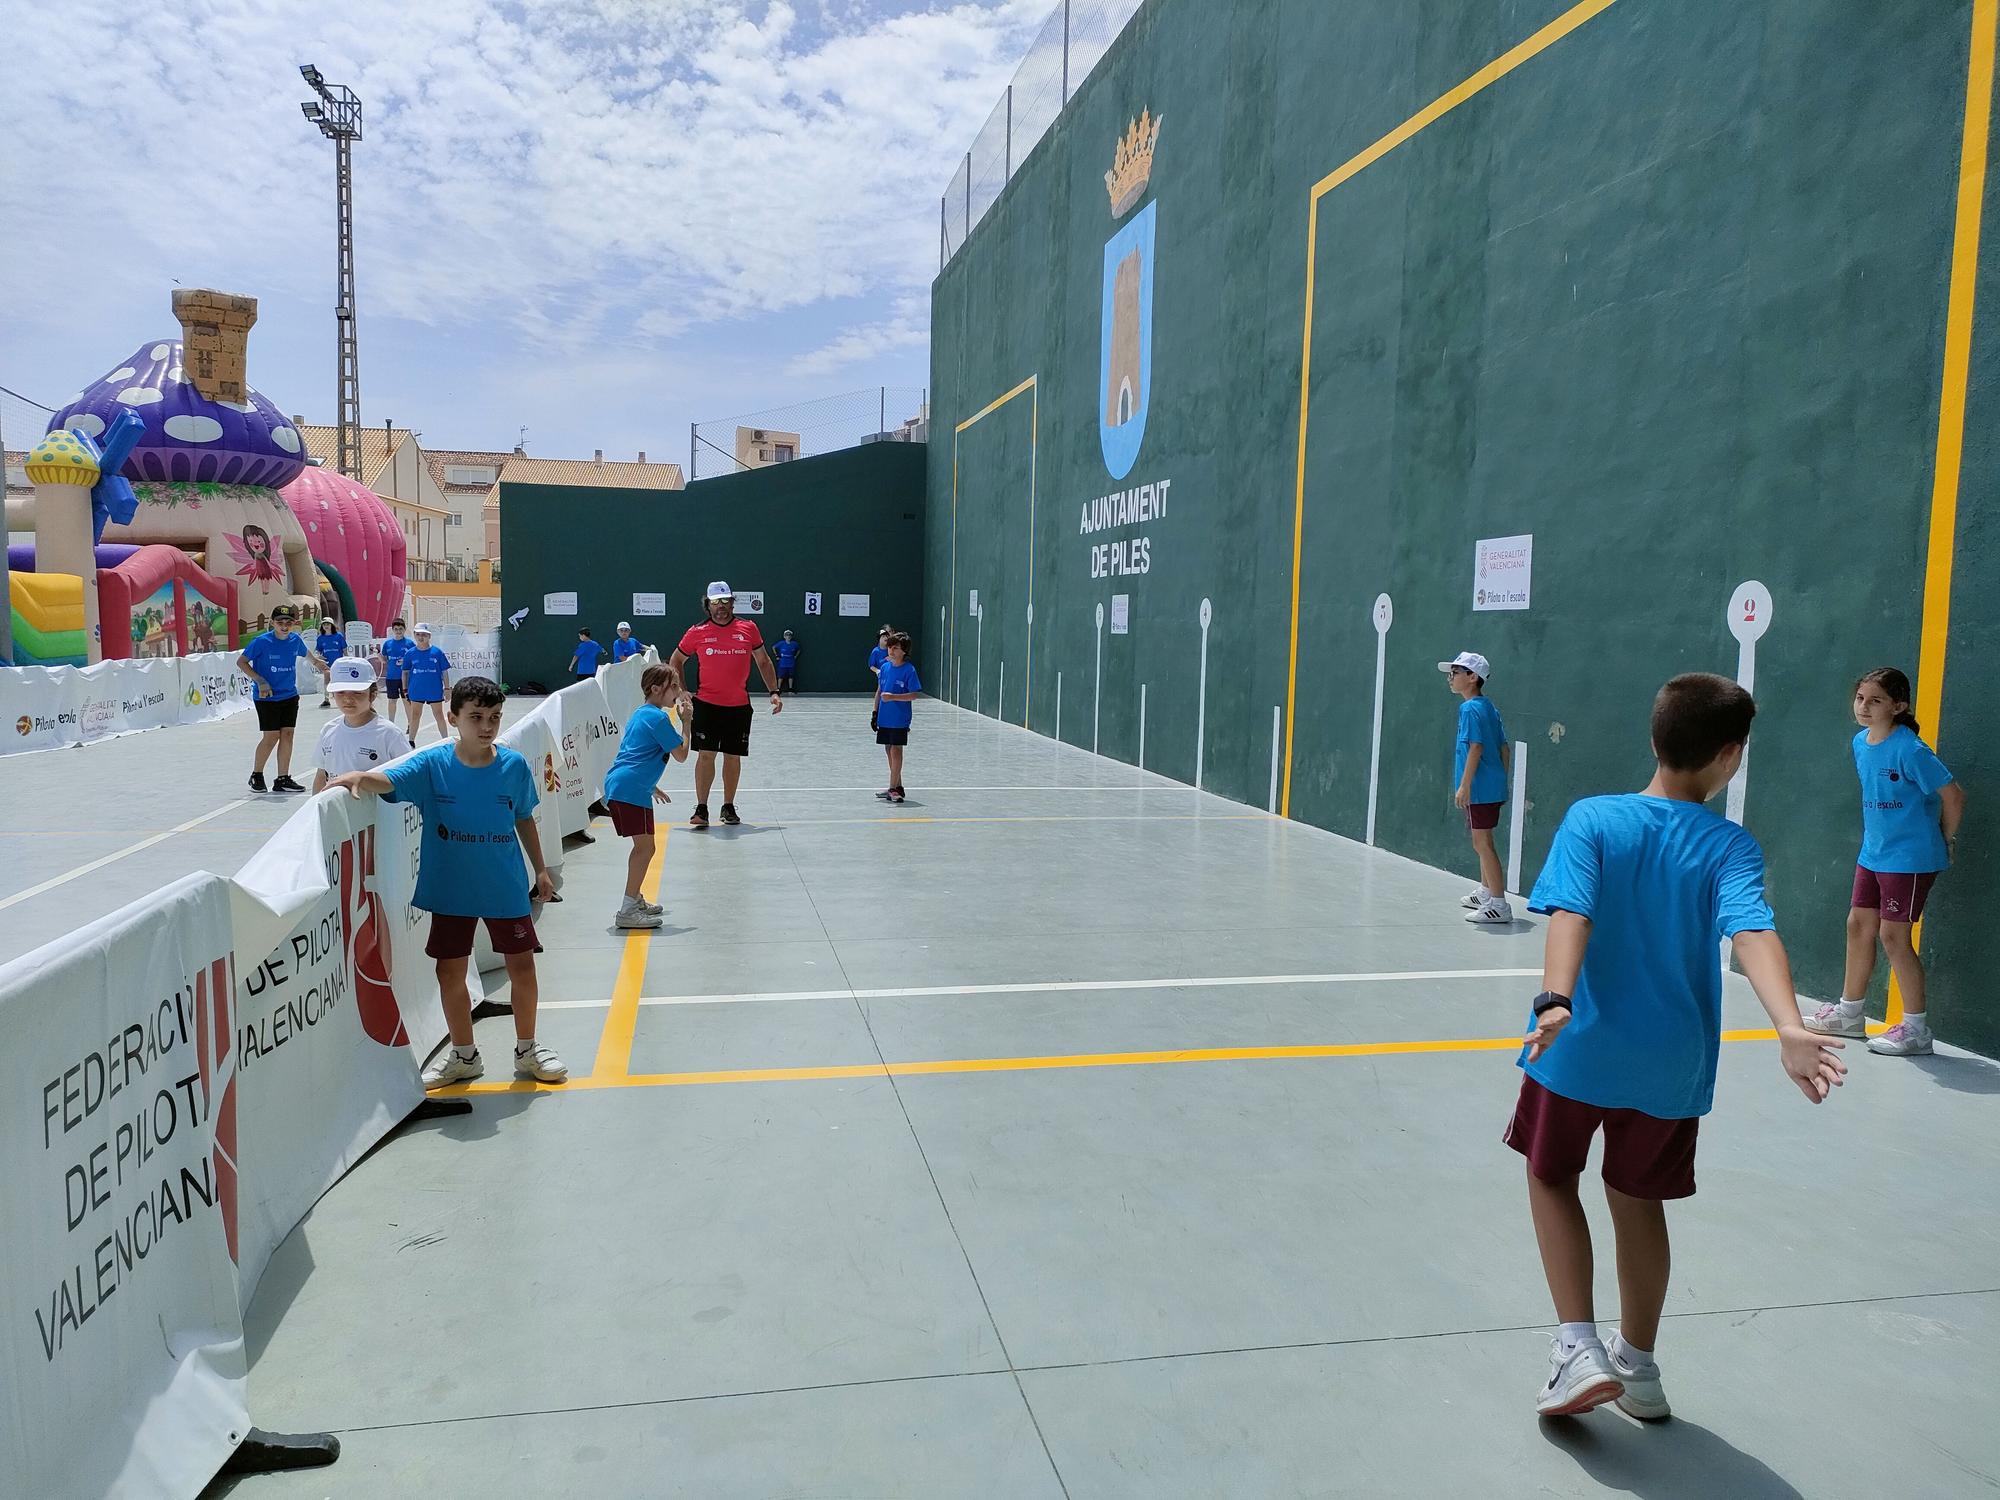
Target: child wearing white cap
426,682
358,740
626,644
1479,769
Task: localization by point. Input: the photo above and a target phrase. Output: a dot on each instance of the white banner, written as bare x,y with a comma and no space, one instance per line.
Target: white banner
40,707
47,708
123,697
212,688
122,1360
473,653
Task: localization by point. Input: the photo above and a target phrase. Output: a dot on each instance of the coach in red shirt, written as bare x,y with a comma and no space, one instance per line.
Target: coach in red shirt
722,648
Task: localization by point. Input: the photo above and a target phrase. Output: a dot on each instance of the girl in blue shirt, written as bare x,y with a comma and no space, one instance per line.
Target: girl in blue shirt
1910,810
648,741
896,688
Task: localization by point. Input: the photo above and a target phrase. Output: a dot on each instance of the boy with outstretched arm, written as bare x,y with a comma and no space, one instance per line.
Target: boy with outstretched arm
1626,1031
478,800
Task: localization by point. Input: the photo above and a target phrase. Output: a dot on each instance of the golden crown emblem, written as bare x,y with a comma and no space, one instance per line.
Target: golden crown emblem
1132,167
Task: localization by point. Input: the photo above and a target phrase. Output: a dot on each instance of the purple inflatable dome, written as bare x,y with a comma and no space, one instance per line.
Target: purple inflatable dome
188,437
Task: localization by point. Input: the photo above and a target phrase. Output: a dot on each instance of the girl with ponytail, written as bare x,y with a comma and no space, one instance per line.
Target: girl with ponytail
1910,811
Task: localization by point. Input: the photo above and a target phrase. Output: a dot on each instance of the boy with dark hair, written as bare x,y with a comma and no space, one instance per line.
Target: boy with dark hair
394,648
478,800
583,662
271,660
1626,1031
1481,760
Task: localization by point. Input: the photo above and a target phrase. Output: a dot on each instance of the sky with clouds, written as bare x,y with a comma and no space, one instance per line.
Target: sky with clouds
595,219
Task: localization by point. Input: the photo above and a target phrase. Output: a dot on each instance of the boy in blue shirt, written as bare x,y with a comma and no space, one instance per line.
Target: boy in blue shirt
895,690
394,650
785,656
1625,1033
584,663
271,660
426,681
625,645
1479,767
478,800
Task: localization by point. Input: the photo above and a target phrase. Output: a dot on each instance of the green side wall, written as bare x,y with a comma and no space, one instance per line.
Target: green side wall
1670,297
849,522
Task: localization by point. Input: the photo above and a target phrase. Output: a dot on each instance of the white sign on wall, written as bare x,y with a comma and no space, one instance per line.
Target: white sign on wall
559,604
854,604
649,604
972,604
750,601
1121,614
813,604
1502,567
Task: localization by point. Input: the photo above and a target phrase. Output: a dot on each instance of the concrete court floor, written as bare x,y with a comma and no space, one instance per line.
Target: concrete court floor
1261,1277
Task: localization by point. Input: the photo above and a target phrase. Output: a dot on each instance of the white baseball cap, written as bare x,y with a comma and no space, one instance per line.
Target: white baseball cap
721,590
1472,661
624,624
350,674
421,629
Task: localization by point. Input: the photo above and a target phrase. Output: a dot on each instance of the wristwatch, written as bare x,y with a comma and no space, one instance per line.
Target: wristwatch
1548,1000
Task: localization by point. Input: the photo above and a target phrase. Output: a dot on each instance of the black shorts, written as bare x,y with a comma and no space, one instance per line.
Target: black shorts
887,736
277,713
722,728
394,687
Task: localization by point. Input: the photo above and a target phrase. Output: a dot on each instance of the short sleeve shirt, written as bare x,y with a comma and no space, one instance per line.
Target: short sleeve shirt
1661,882
786,655
394,650
587,653
423,673
1479,724
721,654
330,645
648,738
897,679
1900,781
625,646
470,864
343,748
277,662
877,659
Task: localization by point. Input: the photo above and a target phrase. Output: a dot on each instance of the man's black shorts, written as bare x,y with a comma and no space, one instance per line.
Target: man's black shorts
277,713
723,729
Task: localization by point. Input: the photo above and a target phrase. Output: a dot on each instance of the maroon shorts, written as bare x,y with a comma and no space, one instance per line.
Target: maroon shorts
1899,898
451,937
1483,814
629,820
1644,1157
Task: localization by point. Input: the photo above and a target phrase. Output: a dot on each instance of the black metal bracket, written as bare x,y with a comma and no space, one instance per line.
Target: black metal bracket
263,1452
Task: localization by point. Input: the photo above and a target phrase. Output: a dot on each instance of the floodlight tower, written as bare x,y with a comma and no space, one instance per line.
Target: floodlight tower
337,113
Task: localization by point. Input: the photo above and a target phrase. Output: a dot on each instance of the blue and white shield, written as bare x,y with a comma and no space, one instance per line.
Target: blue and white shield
1125,390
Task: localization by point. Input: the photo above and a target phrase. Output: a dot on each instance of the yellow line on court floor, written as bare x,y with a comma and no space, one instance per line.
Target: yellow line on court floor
614,1045
601,1079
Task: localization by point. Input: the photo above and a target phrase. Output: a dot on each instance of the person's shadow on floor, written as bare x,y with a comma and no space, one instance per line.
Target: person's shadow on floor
1967,1075
1667,1460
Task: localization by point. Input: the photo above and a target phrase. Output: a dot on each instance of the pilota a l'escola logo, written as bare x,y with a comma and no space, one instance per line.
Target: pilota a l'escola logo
24,725
1125,389
551,777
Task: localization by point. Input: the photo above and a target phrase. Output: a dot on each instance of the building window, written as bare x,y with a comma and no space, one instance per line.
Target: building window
786,453
470,474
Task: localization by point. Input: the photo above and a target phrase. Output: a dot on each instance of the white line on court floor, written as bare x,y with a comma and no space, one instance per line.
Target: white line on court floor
1060,986
118,854
1176,787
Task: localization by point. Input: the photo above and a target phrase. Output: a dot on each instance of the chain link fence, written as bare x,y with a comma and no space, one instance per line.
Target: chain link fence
22,421
758,439
1064,52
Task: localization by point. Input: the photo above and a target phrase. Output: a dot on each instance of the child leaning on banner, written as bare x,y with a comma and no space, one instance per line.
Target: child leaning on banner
478,800
1626,1031
359,740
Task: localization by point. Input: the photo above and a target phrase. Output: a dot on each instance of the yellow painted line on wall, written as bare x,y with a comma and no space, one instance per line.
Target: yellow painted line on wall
614,1044
1429,115
1034,464
1943,545
1054,1062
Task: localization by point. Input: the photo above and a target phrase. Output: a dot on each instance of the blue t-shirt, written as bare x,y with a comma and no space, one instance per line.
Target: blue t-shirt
587,653
330,645
394,650
1661,882
624,646
648,738
470,864
1479,724
878,658
897,679
786,655
1900,779
277,662
423,672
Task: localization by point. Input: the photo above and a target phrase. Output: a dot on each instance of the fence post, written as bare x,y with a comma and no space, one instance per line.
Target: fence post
692,428
943,235
1065,51
882,409
1007,158
968,194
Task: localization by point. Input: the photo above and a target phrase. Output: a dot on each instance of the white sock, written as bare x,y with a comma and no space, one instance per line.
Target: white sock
524,1045
1916,1020
1631,1352
1573,1334
1850,1008
629,903
466,1054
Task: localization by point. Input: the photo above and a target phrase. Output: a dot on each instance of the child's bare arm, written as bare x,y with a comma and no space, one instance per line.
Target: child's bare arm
1808,1057
1951,808
319,781
1473,754
1562,961
531,840
359,782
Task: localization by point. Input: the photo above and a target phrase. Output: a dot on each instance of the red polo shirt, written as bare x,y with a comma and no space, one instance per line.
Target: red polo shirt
723,653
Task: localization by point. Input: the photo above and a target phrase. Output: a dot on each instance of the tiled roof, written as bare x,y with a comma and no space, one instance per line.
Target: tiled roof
377,447
444,458
583,471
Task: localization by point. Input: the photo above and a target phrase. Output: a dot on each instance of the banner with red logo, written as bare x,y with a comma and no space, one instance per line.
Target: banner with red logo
121,1344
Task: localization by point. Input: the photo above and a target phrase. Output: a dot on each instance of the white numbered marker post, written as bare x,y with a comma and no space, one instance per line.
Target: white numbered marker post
1097,693
1201,709
1384,616
979,661
1749,617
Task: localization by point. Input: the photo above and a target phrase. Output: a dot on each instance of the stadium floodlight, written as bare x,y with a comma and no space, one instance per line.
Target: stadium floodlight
311,75
337,113
310,110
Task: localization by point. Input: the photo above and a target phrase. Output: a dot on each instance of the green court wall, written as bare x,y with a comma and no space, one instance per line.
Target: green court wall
843,523
1670,294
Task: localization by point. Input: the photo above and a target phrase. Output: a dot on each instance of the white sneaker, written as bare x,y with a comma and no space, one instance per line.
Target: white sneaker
1644,1398
654,907
1473,899
1492,912
1902,1040
637,916
1829,1021
451,1068
540,1062
1579,1381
